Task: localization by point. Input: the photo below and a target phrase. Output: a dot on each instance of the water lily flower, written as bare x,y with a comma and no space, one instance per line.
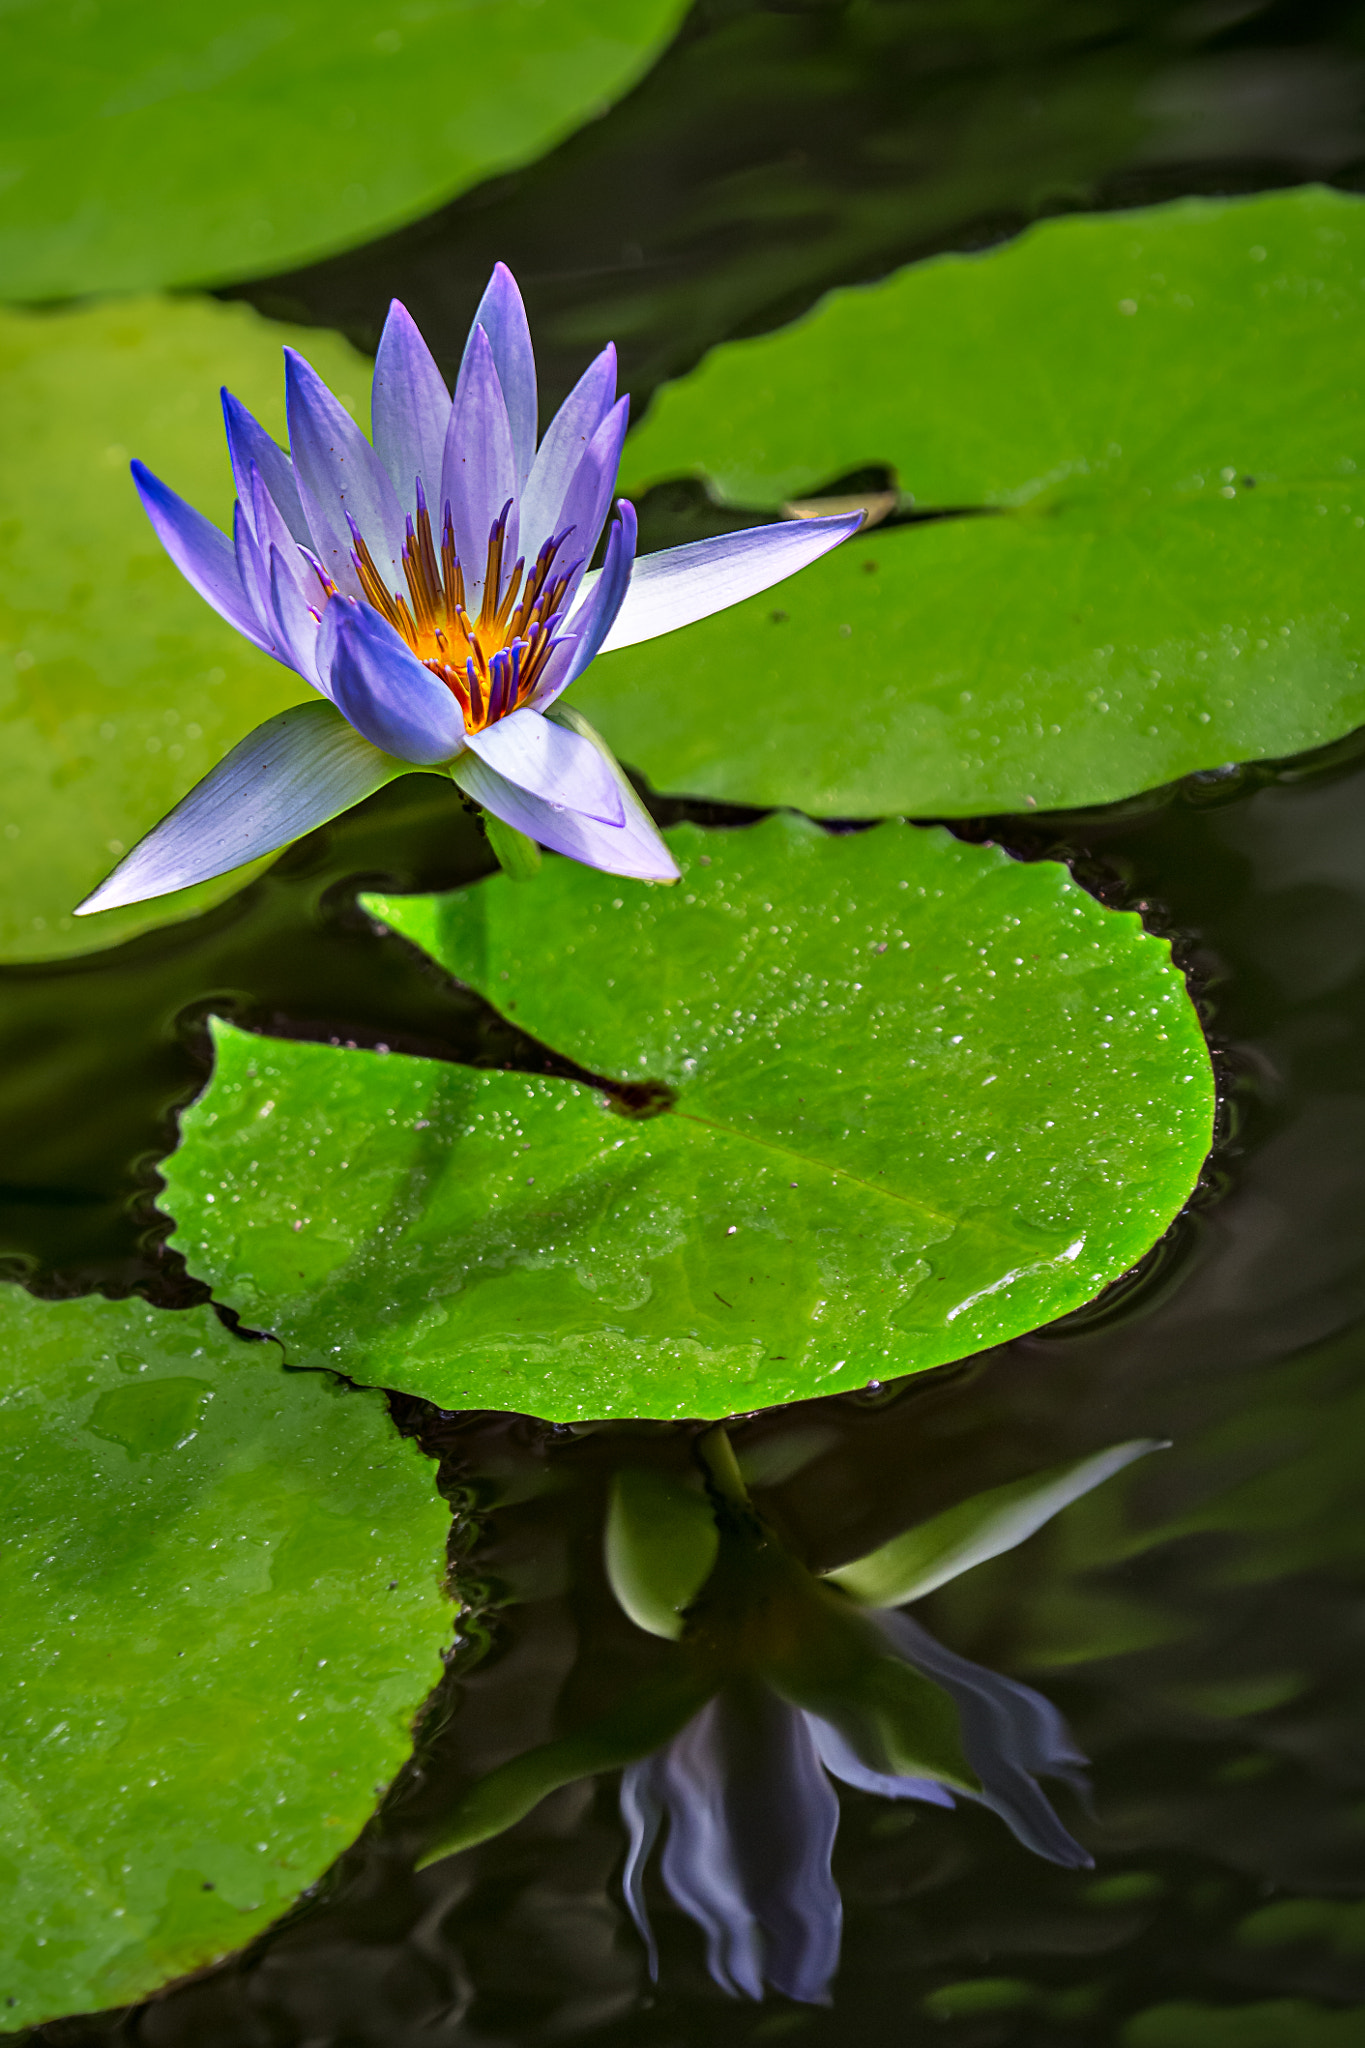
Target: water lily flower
782,1682
434,589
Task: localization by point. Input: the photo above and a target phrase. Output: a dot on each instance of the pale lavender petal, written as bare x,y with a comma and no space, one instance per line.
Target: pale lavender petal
478,471
593,620
411,409
634,848
565,444
381,686
1011,1736
291,774
551,762
205,557
588,497
502,317
338,473
248,443
680,585
840,1758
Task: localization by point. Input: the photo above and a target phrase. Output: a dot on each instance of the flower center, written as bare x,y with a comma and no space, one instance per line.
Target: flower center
493,662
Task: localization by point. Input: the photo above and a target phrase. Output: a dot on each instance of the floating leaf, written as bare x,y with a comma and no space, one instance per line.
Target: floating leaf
119,686
222,1609
146,144
1166,581
927,1097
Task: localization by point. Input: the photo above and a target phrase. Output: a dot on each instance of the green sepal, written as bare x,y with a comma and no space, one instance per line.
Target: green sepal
914,1563
518,856
645,1723
659,1545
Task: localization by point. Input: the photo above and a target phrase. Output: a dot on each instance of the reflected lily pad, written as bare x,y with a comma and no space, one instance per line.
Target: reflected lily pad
119,686
222,1610
1163,416
146,144
924,1098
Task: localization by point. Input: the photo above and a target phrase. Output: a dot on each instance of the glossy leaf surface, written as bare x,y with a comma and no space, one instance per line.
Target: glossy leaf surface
146,144
1164,414
119,685
222,1610
926,1098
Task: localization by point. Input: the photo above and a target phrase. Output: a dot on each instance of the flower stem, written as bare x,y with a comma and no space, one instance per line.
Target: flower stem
518,856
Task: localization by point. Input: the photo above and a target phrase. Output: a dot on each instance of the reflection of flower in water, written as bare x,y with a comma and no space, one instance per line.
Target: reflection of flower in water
771,1681
752,1814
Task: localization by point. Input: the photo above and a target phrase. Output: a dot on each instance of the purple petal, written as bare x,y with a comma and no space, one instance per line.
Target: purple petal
840,1758
293,773
478,471
338,473
1011,1736
411,408
589,494
376,680
680,585
565,444
253,573
295,619
249,443
593,620
502,317
551,762
634,848
204,556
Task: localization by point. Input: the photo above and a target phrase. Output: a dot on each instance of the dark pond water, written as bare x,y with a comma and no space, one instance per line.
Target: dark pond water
1200,1621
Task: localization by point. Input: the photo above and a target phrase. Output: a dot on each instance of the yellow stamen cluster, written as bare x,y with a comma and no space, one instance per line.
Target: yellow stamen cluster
491,663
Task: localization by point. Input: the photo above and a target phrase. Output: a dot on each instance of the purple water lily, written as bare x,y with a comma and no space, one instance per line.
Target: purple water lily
434,590
752,1815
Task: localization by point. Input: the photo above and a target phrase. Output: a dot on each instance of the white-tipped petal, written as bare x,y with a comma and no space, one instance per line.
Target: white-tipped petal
291,774
680,585
633,849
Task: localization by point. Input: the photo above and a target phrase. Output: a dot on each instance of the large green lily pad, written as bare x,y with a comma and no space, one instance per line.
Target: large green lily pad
222,1610
1165,412
147,144
119,686
926,1098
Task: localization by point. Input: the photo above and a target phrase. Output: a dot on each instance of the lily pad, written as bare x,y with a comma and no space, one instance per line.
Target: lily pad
1163,416
222,1610
119,686
146,144
925,1098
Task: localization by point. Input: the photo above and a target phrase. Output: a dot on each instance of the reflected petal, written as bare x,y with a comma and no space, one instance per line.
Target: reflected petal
751,1824
1011,1736
838,1755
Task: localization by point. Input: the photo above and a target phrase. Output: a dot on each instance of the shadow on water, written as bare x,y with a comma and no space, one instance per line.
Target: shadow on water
1198,1620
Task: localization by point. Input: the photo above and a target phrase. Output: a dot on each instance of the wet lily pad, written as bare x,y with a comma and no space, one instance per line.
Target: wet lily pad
1164,414
146,144
222,1610
119,687
926,1098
